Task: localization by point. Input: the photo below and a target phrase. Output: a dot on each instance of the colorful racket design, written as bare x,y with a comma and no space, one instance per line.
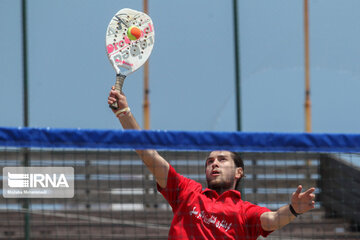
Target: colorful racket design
130,38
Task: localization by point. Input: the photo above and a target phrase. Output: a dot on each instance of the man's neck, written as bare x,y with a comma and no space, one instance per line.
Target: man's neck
220,190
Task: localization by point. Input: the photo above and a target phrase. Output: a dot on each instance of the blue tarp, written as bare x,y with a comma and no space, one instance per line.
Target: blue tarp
178,140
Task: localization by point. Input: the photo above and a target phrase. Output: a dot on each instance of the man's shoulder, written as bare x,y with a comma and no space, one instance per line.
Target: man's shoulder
185,182
248,205
251,208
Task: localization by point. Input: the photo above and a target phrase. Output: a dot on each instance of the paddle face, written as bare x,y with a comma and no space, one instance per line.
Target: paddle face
126,55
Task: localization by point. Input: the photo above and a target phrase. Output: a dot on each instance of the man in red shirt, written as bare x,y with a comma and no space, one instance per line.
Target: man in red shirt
218,211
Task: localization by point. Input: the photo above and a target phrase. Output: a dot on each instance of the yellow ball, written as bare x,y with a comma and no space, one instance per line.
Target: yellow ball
134,33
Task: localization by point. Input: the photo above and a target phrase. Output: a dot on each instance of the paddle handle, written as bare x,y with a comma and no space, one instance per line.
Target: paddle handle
120,78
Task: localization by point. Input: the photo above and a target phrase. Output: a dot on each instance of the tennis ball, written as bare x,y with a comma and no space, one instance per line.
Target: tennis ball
134,33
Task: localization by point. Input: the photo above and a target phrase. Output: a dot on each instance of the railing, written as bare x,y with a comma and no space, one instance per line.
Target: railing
114,197
340,188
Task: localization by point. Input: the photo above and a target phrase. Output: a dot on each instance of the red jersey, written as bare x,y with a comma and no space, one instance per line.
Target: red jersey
203,214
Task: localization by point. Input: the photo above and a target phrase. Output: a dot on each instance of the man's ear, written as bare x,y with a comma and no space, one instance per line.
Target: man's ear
239,173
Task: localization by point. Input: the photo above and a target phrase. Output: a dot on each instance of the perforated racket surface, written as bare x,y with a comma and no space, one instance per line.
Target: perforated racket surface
125,55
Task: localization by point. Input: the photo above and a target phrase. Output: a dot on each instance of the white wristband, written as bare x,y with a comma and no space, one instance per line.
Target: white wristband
122,112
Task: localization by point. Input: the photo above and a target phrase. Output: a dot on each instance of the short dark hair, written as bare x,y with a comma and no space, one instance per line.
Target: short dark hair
238,163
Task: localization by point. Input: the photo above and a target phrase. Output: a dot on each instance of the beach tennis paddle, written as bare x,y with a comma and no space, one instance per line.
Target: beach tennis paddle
130,38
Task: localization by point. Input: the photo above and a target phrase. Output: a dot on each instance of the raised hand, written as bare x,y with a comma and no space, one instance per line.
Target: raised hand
303,202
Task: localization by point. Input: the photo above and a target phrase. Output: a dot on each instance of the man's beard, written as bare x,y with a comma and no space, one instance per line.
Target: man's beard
220,186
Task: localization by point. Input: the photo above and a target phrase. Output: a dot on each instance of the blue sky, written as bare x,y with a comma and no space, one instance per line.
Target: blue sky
191,68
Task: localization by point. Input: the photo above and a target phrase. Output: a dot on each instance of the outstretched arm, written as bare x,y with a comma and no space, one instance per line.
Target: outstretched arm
157,165
301,203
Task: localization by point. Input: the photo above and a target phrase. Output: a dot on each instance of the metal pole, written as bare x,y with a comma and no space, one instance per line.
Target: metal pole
237,79
146,104
307,68
307,77
25,114
237,68
25,67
